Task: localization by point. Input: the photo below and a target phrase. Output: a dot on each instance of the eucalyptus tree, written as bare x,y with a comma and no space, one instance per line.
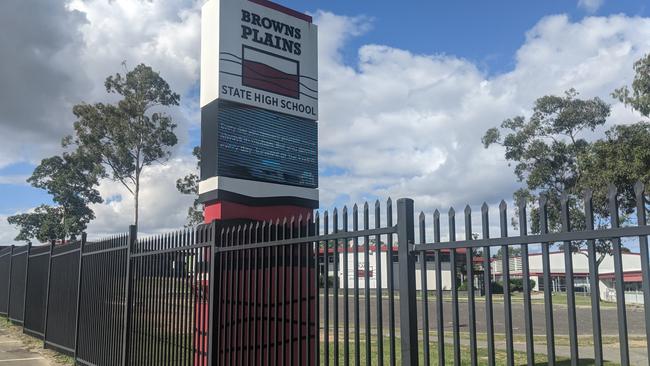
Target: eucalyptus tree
131,134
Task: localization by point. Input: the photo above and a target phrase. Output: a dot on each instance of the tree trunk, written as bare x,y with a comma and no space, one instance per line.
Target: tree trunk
136,197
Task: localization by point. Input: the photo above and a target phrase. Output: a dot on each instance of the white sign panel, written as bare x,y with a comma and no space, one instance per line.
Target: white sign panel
261,54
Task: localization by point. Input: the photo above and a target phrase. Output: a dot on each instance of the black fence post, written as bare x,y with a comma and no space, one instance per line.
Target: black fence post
11,264
408,310
47,293
212,316
133,237
29,250
82,247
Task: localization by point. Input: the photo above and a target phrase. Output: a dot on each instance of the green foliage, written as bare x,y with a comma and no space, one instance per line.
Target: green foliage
497,287
551,156
639,97
45,223
189,184
622,158
71,180
517,284
131,134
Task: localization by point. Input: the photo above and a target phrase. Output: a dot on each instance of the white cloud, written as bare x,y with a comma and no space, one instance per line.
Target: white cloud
394,123
590,6
64,52
403,124
162,207
7,232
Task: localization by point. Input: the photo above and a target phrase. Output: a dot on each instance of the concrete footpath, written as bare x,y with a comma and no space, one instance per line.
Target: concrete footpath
19,350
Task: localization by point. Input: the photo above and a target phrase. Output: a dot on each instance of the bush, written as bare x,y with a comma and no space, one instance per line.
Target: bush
497,287
331,280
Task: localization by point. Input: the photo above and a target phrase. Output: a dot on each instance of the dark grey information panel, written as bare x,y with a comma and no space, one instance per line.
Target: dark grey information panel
261,145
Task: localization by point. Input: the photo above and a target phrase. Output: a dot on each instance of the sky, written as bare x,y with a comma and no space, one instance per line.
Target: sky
406,91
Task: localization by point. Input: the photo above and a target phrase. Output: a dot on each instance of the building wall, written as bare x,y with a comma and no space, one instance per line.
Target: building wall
430,276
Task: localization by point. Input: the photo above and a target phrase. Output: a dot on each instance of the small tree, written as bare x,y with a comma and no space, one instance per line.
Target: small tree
131,134
45,223
639,97
546,150
71,180
189,184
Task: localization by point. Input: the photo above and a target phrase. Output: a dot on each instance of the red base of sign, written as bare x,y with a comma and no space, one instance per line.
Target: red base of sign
222,210
272,280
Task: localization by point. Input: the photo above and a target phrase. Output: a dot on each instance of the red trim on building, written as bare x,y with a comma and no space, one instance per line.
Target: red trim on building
631,276
222,210
283,9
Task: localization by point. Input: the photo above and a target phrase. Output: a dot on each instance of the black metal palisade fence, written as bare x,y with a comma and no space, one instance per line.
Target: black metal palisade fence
260,293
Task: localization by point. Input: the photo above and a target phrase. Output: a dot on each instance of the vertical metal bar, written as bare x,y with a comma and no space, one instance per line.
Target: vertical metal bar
228,345
78,307
128,303
268,295
300,273
593,280
487,279
525,268
346,294
454,287
335,229
239,297
283,330
292,298
357,338
548,294
47,293
612,196
212,251
317,290
424,291
391,283
571,297
366,262
187,301
469,259
408,310
505,265
257,317
326,308
440,313
639,190
11,264
29,250
380,329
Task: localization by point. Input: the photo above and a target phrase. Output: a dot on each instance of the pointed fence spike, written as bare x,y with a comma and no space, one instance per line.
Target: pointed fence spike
564,197
436,214
543,199
468,210
377,204
612,191
365,205
345,210
639,188
452,212
485,208
421,216
521,203
355,208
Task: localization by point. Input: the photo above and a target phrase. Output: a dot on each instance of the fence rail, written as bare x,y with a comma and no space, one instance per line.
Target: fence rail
340,287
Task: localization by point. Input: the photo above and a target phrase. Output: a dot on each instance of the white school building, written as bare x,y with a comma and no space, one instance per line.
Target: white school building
632,276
